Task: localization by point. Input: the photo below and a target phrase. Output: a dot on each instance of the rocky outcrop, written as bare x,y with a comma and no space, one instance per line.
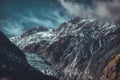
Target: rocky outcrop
36,47
13,64
112,70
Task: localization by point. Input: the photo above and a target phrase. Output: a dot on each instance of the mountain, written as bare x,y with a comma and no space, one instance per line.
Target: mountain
13,64
81,48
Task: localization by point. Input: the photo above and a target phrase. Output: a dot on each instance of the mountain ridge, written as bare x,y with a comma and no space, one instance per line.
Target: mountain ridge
79,47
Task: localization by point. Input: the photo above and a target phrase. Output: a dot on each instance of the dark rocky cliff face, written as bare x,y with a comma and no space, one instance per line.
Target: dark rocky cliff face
36,47
83,60
81,48
13,64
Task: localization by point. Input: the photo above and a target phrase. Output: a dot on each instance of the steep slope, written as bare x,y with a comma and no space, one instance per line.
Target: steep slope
13,64
81,58
112,70
80,48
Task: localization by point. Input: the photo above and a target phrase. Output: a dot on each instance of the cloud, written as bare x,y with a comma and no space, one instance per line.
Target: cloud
98,9
109,9
16,25
72,8
75,9
51,19
114,8
19,16
101,10
11,27
79,9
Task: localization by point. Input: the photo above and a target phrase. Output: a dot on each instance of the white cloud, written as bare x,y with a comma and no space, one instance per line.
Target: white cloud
72,8
12,28
100,10
76,9
52,19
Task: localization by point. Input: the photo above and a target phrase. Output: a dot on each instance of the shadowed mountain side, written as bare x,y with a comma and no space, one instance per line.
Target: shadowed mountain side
13,64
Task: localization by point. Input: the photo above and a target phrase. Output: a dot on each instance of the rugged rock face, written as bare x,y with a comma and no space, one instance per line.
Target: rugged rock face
81,48
13,64
82,59
112,70
36,47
